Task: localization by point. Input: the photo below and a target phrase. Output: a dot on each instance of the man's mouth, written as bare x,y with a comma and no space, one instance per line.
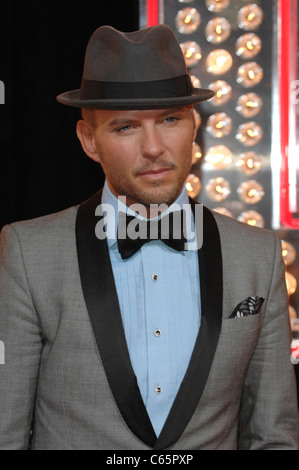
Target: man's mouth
161,172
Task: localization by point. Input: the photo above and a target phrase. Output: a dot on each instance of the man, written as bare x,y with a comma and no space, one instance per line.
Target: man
133,343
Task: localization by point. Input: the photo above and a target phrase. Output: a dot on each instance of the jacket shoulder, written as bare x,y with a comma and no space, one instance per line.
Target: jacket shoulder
37,234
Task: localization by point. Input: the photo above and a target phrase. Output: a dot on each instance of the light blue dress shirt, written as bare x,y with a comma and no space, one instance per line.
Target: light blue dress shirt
159,295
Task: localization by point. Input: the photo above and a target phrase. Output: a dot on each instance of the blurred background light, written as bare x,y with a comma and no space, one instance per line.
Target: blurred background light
223,92
288,252
219,125
250,17
219,157
250,74
217,5
193,185
249,105
251,192
196,153
218,189
250,163
195,81
218,30
291,283
249,134
192,53
223,211
198,119
248,46
253,218
219,62
187,20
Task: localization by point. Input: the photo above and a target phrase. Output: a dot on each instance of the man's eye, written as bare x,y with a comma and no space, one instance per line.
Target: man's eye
124,128
171,119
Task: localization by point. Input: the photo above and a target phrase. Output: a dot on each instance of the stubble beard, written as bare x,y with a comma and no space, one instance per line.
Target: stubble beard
158,194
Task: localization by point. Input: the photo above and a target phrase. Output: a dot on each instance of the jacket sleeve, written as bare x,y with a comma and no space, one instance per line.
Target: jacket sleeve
269,410
21,341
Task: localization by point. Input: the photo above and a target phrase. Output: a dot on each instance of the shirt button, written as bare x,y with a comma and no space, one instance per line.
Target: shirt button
158,390
158,333
155,277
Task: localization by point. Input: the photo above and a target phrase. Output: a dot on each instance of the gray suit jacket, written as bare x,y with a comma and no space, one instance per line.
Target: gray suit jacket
67,369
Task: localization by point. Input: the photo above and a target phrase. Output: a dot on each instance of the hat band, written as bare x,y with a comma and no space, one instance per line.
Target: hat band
170,88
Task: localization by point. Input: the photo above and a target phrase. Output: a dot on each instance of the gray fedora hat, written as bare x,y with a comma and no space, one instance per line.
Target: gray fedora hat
145,69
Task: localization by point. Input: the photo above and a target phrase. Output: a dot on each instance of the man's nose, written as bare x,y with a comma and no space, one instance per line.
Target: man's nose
152,145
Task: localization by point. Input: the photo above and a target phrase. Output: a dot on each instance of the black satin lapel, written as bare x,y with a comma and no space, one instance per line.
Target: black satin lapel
103,308
211,287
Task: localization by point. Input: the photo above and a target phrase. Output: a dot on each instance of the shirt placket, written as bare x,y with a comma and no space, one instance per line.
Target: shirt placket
157,332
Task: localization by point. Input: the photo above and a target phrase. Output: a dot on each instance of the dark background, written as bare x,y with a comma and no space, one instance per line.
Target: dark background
42,45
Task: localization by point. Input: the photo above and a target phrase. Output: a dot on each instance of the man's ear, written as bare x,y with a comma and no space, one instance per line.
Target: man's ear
85,133
195,130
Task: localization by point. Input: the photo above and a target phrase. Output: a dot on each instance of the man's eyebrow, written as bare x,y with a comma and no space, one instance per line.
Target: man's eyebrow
120,121
129,120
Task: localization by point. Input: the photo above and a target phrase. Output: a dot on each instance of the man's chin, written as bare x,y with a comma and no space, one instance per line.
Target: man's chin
158,196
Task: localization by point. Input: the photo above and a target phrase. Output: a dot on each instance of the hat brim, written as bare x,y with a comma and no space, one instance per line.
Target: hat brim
72,98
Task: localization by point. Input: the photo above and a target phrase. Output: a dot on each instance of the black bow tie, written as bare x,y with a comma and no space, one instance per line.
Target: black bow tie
133,233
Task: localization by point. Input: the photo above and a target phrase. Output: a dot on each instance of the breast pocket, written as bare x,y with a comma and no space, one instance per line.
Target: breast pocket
238,325
237,342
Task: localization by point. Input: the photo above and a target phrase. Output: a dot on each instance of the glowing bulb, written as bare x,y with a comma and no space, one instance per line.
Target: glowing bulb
219,157
188,20
219,125
223,92
251,192
250,74
248,46
250,17
197,119
288,253
291,283
223,211
219,61
249,134
193,186
192,53
253,218
218,189
196,153
250,163
195,81
217,30
217,5
249,105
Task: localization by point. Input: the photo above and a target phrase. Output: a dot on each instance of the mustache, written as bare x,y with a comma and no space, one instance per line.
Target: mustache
157,166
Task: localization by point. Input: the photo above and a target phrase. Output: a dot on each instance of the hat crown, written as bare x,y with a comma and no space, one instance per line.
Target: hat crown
144,69
145,55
